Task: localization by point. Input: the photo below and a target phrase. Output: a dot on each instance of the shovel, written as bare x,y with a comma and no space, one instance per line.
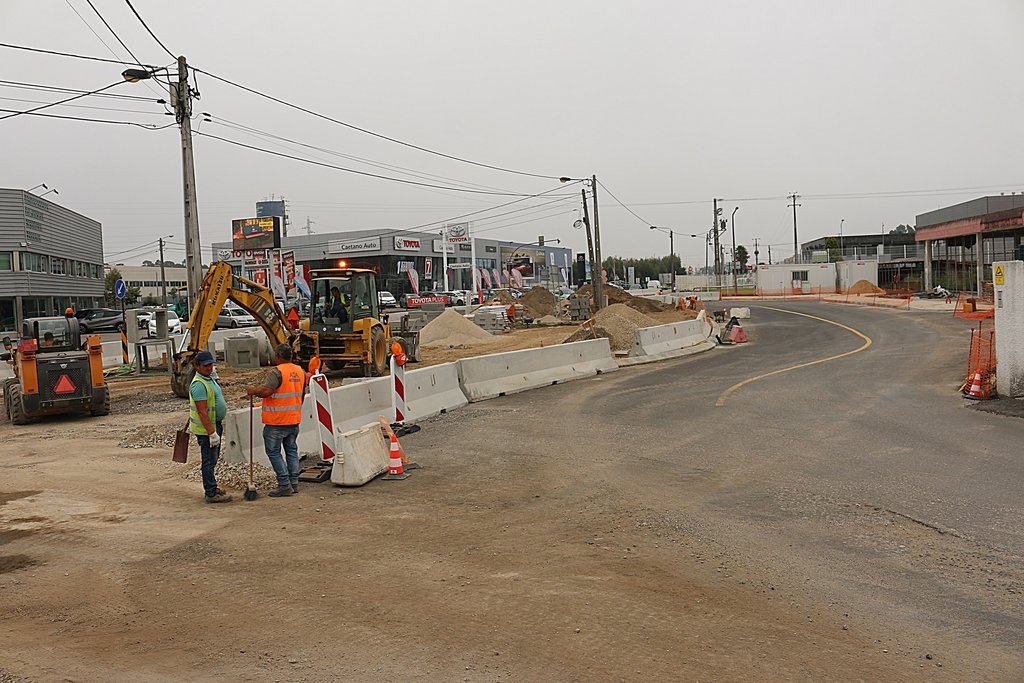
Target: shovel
250,490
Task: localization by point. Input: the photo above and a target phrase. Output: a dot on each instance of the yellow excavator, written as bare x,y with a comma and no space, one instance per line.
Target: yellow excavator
343,326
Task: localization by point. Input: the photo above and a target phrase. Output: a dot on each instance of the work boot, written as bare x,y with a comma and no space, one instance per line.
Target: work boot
219,497
295,488
280,491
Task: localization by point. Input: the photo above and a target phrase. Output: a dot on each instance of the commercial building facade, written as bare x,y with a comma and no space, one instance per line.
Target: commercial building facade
150,282
50,258
392,253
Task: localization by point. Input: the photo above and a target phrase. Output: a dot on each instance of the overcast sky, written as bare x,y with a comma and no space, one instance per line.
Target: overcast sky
669,103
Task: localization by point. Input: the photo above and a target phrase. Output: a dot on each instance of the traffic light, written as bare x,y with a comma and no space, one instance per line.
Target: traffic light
540,241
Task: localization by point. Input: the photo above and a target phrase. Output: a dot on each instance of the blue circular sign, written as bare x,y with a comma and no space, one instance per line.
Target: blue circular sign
120,289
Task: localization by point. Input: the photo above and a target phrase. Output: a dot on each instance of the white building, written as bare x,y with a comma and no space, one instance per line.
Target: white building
147,279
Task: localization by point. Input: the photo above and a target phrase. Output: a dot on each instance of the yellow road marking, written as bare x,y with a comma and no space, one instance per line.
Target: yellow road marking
867,342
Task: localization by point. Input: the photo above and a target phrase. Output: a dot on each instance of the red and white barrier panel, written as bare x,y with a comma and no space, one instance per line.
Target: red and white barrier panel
398,361
324,416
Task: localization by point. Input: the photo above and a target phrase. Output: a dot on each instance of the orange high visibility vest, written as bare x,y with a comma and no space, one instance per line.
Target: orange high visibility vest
284,406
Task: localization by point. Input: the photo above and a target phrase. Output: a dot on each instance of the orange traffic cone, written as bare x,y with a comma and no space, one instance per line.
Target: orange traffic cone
737,335
975,392
395,469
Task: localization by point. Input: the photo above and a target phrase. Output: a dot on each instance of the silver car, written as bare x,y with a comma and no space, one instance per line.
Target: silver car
234,317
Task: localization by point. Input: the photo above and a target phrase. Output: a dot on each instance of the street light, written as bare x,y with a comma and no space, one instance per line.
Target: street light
136,75
42,185
841,220
597,283
53,190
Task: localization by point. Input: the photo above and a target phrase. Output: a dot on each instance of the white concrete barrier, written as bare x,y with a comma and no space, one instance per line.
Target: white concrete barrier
739,313
498,374
362,455
432,391
649,341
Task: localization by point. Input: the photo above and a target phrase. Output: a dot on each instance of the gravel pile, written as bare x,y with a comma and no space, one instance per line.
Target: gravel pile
453,329
864,287
618,296
618,323
150,436
147,402
235,475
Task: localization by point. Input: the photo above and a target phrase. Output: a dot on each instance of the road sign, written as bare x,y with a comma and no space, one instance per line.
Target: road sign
120,289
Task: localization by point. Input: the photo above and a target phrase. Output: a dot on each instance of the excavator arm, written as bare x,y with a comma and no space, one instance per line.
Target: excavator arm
219,285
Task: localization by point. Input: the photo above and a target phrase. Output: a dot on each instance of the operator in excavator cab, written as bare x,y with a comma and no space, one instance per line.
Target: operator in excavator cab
337,306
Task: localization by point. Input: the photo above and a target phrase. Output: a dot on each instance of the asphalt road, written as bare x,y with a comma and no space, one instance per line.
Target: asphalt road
861,492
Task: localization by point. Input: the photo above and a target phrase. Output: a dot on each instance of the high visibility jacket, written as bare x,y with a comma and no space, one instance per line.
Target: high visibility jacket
284,406
195,425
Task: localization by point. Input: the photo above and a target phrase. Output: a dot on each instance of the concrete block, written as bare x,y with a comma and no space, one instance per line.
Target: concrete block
1009,326
649,341
497,374
242,352
740,313
362,455
432,391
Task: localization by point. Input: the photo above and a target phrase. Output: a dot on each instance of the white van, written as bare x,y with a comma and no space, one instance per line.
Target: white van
653,284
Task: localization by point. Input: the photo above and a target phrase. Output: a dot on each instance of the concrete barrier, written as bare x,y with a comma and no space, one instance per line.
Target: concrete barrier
498,374
362,455
740,313
432,391
649,341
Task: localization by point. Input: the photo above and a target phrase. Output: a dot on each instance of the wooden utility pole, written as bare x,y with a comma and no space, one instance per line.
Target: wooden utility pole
590,238
181,96
163,276
718,260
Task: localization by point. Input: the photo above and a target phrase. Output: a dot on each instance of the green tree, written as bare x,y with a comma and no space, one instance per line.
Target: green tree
742,256
832,247
131,297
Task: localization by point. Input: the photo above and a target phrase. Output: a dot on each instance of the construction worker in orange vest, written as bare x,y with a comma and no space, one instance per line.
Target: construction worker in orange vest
282,392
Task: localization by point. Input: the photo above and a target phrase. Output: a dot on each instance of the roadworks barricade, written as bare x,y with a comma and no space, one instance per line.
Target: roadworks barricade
362,455
498,374
428,392
651,341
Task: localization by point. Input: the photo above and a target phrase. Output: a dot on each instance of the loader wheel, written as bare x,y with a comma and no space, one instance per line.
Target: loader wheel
16,408
379,353
102,408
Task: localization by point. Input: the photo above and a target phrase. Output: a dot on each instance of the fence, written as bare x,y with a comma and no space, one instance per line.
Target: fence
973,307
981,360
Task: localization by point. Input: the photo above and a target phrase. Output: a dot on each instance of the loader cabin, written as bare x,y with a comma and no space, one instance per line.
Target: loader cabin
340,296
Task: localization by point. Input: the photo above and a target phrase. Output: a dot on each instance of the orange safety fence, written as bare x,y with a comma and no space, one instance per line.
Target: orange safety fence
973,307
981,360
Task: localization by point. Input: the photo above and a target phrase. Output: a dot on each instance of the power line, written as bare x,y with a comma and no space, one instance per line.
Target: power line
112,31
69,54
145,26
54,88
147,126
352,170
86,106
416,174
605,187
54,104
370,132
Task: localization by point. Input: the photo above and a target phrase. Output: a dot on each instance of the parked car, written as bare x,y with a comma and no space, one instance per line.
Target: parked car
386,298
234,317
99,319
173,324
143,320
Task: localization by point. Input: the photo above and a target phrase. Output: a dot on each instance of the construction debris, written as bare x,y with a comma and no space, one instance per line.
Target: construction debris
550,320
151,436
541,302
453,329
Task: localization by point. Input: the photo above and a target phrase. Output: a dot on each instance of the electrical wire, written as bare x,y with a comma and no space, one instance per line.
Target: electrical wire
69,54
619,201
147,126
86,106
54,104
416,174
112,31
370,132
352,170
150,31
54,88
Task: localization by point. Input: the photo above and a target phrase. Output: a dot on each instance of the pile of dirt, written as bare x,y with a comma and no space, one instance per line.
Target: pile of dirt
864,287
151,436
504,297
618,323
453,329
619,296
541,301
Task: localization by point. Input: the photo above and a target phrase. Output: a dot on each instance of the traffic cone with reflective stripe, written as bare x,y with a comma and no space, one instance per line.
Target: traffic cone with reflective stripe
395,469
975,392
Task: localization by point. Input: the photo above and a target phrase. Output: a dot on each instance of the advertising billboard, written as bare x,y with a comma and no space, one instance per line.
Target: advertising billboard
256,233
522,265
